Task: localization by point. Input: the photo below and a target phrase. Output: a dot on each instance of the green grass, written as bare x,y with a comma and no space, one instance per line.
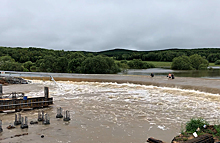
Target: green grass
213,64
160,64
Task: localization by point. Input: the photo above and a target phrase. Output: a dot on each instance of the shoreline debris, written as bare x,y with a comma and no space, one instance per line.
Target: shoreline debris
10,127
33,122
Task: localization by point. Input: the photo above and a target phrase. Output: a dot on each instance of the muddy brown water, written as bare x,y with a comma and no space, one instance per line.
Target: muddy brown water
109,108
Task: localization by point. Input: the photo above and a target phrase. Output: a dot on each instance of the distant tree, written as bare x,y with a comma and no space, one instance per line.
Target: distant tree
27,65
75,64
75,55
136,64
24,58
61,65
197,60
217,62
6,59
99,65
11,66
33,68
187,63
47,64
139,64
181,63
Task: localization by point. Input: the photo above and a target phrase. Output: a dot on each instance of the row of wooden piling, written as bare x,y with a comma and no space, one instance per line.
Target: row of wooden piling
66,114
42,117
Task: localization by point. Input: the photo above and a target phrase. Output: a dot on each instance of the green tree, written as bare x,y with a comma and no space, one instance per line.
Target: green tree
61,65
217,62
181,63
47,64
99,65
6,59
75,65
197,60
33,68
27,65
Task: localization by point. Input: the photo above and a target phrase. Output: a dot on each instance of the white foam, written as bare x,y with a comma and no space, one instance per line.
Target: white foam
163,104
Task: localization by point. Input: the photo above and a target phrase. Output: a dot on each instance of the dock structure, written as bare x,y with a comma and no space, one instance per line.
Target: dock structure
18,103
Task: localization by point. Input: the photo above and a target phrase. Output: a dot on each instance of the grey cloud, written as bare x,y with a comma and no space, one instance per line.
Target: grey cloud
100,25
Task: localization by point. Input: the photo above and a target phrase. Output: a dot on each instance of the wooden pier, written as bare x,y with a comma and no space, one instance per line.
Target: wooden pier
18,103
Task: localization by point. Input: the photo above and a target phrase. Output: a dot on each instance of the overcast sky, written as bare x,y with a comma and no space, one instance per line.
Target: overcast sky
97,25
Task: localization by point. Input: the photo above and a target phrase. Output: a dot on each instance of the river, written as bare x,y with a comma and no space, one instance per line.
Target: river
110,112
211,74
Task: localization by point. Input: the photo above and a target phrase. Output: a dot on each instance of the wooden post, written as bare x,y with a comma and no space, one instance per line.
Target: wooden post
47,119
0,91
66,116
17,119
46,92
1,130
59,113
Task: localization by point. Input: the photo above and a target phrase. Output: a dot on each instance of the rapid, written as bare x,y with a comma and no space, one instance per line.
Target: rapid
111,112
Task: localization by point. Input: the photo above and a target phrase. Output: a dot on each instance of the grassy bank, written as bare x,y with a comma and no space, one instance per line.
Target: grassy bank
213,65
159,64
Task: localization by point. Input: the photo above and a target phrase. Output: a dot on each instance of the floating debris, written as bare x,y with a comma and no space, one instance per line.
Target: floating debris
153,140
18,135
33,122
10,127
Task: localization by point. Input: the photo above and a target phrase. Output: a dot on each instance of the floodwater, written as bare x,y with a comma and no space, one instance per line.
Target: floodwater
109,112
209,74
213,73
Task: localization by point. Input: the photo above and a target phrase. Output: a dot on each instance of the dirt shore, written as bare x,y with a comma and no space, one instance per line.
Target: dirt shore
200,84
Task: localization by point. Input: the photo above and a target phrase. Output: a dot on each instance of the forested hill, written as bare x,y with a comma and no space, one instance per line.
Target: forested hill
211,54
33,54
47,60
116,52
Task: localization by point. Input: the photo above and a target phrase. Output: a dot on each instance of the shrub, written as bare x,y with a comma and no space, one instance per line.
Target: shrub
217,62
202,67
193,124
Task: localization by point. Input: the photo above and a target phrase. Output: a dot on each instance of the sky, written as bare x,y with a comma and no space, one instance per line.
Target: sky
98,25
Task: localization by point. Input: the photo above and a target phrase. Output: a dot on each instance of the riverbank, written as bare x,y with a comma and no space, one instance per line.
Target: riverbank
203,85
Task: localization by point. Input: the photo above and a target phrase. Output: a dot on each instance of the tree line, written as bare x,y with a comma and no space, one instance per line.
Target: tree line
60,61
111,61
210,54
